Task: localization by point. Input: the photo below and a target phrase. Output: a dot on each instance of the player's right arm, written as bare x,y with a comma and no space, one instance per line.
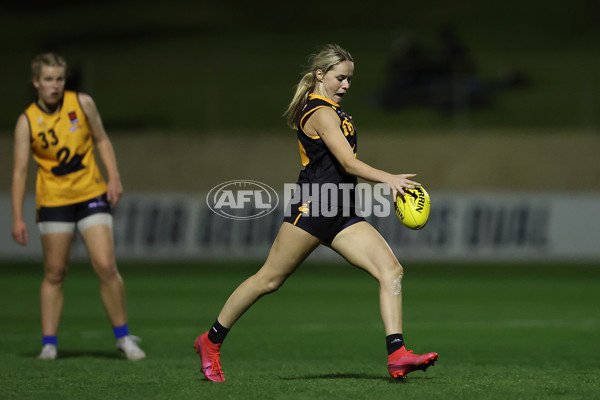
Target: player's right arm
19,179
326,124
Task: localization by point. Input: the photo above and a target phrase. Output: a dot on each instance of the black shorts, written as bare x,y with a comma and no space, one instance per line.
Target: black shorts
309,218
74,212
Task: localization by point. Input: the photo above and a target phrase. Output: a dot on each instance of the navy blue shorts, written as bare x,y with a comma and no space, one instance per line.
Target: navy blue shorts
74,212
308,217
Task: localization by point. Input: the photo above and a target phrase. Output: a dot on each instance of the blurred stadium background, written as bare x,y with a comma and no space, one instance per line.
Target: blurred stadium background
216,73
192,94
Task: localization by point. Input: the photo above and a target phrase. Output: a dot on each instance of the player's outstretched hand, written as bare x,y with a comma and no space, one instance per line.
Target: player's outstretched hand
400,182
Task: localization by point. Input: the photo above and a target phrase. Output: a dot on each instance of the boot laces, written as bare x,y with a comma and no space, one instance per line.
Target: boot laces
215,363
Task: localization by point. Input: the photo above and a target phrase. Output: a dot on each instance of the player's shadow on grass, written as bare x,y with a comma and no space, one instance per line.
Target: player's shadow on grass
335,376
64,354
352,376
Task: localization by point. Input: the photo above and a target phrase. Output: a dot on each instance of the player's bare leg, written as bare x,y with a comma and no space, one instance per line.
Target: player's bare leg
56,247
364,247
99,242
291,246
100,245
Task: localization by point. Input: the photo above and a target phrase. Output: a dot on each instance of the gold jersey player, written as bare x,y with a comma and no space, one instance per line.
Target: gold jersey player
61,128
327,140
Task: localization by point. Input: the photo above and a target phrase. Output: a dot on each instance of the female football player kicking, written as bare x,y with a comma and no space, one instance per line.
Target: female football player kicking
327,141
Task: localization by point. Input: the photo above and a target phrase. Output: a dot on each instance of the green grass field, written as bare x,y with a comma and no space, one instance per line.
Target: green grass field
502,332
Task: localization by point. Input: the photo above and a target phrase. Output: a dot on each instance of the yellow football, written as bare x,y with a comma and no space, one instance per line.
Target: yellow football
413,208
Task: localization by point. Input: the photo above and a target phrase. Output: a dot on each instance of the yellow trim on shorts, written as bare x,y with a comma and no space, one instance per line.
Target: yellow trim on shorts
297,218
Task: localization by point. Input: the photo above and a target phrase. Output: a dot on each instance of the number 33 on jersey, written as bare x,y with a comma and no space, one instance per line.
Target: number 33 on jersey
63,149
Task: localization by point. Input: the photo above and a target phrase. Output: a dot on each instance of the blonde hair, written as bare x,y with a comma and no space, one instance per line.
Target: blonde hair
328,57
46,60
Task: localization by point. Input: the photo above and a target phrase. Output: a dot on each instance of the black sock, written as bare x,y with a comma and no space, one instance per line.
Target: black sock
217,333
394,342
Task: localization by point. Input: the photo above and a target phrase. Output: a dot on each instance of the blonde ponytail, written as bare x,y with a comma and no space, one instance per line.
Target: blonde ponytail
304,87
328,57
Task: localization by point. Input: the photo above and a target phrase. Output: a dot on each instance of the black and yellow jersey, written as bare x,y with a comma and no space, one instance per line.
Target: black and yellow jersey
63,149
320,165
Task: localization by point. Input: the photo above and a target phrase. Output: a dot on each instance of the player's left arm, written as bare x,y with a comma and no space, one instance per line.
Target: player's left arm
114,189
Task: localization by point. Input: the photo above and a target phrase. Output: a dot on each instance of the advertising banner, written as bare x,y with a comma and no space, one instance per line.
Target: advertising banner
242,223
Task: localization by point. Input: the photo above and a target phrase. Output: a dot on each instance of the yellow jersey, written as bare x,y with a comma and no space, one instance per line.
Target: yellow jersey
63,148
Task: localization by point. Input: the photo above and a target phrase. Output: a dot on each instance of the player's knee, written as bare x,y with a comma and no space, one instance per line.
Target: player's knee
55,274
106,270
393,271
269,284
391,278
274,284
397,269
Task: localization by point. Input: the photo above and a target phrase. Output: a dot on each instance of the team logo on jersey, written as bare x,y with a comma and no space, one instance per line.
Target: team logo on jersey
304,208
74,121
41,123
242,199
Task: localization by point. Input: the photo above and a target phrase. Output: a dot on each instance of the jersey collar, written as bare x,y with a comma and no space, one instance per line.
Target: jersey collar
58,108
316,96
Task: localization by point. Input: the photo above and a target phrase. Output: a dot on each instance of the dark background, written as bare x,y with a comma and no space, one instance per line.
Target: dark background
232,66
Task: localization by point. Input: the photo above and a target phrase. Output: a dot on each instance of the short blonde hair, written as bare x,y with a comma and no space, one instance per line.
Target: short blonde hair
328,57
46,60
